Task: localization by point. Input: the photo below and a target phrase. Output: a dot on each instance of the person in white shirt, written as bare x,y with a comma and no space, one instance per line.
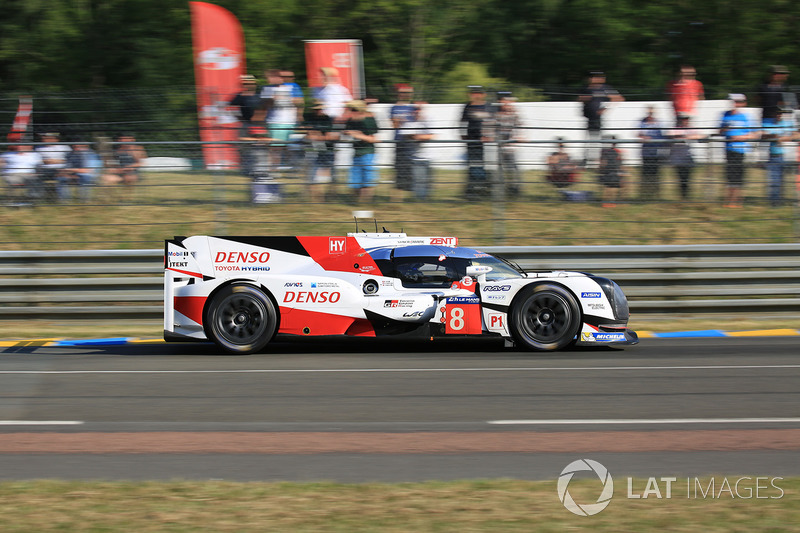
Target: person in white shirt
18,166
54,160
334,95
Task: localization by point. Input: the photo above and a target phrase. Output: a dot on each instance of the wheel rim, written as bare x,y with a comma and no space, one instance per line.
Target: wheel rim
241,319
547,317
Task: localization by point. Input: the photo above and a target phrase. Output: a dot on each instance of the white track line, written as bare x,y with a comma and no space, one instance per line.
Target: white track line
400,370
641,421
40,422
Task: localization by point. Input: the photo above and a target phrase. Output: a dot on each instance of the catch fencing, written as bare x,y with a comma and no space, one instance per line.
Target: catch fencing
739,280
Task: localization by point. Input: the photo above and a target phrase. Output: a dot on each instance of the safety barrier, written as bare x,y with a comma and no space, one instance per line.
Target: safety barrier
127,284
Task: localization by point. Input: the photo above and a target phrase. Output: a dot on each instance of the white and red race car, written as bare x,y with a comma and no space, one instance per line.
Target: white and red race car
242,291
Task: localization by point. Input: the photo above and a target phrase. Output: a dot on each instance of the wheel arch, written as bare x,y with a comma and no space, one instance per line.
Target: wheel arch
567,288
246,281
530,288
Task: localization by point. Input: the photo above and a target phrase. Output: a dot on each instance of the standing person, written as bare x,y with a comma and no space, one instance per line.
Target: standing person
82,168
362,128
651,135
771,95
476,120
779,132
54,159
685,91
322,137
334,94
507,124
595,97
680,153
281,114
418,132
247,103
287,77
738,130
610,171
401,113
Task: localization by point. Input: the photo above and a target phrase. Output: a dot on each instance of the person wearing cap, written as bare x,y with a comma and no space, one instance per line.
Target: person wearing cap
771,94
476,121
247,103
594,97
321,137
738,131
363,130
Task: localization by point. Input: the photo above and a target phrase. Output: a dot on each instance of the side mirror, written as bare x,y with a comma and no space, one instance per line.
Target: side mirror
479,272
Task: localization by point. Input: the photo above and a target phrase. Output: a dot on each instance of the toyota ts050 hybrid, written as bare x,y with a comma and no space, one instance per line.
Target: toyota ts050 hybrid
242,291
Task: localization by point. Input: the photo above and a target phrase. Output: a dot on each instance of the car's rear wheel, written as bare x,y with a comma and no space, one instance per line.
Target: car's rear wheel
241,319
545,317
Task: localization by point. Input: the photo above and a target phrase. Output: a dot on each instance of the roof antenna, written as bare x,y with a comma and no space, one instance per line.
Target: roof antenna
355,219
384,229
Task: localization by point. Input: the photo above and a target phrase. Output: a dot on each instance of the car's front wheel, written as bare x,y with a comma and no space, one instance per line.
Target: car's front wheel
241,319
545,317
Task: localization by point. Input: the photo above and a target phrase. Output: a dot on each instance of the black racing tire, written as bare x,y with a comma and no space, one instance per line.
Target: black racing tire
545,317
241,319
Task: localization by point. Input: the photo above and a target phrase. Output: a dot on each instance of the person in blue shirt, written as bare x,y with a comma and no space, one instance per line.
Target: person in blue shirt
777,132
738,130
402,113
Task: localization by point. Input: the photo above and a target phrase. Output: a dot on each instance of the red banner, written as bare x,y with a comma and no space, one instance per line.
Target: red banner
21,119
219,60
342,54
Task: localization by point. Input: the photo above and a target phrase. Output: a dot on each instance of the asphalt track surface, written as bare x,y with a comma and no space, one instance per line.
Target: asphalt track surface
360,410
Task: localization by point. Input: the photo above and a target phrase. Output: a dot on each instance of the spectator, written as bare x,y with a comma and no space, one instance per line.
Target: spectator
401,113
128,159
82,168
322,137
417,132
595,97
685,91
19,166
508,122
561,169
476,117
680,152
777,133
54,158
737,129
297,93
247,102
362,129
610,172
334,94
281,115
652,146
771,95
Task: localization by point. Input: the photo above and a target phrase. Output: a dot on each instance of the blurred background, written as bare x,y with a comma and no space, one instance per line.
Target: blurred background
95,70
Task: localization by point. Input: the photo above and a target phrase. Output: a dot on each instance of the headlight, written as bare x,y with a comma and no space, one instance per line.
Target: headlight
615,295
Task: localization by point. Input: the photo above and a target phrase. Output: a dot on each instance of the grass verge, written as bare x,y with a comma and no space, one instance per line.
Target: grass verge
496,505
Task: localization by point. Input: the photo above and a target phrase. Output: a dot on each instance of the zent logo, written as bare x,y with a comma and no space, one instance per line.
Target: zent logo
588,509
337,245
444,241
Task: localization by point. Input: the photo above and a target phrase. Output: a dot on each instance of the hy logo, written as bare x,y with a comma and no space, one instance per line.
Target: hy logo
588,509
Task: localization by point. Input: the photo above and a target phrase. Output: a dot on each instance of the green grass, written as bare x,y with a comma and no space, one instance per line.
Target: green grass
168,204
465,506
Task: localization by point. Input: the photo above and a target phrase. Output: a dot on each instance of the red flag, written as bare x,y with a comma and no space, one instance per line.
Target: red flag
219,61
22,119
342,54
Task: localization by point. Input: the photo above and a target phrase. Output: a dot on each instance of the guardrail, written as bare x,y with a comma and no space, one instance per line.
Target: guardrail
725,278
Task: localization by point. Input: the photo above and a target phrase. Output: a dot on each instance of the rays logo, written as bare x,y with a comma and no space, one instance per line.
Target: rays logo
587,509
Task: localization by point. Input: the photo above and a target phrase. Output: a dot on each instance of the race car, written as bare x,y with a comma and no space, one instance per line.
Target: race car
240,292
